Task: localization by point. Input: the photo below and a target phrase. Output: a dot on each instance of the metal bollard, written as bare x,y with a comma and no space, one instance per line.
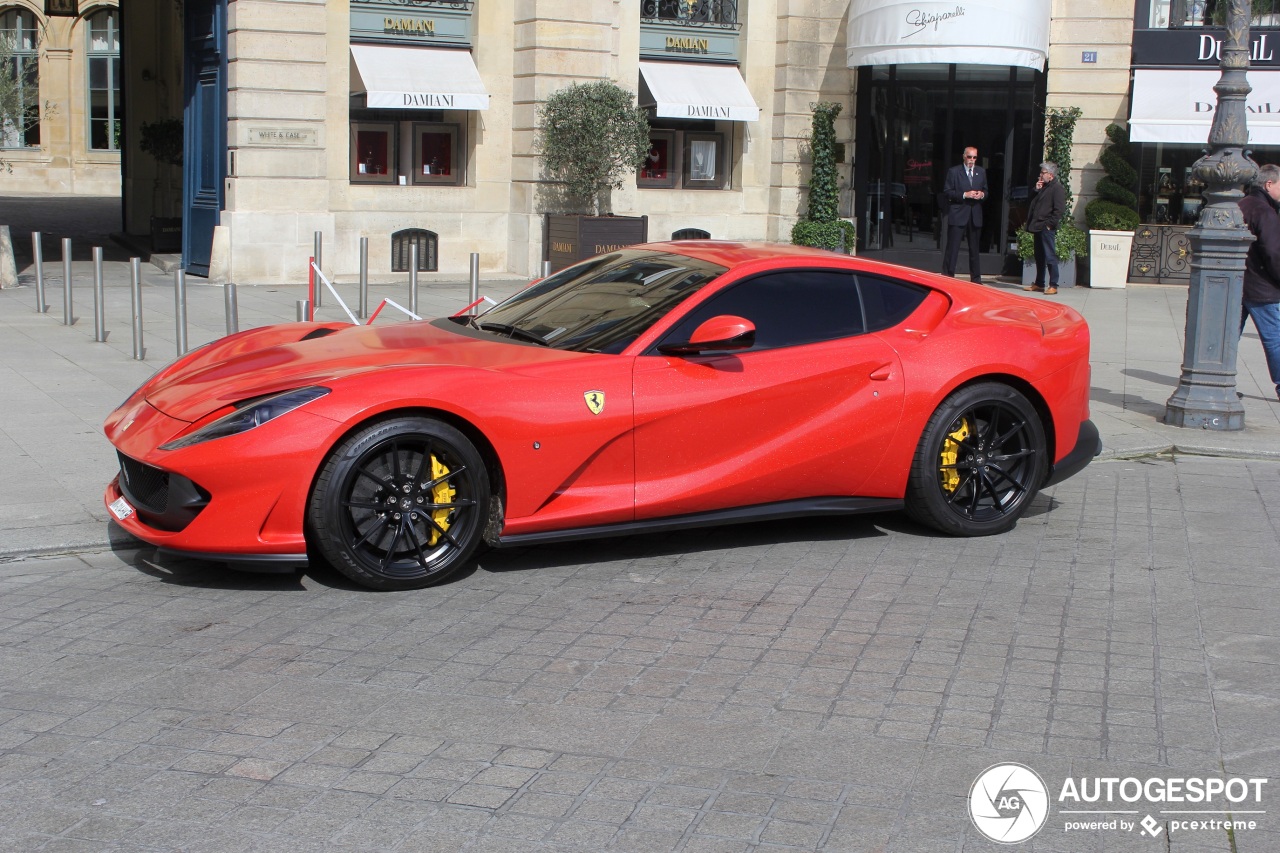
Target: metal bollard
413,278
37,249
319,266
304,310
364,278
180,309
67,319
99,299
546,268
233,309
135,287
475,280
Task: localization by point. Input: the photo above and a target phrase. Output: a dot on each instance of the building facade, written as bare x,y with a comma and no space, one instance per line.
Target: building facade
72,142
416,120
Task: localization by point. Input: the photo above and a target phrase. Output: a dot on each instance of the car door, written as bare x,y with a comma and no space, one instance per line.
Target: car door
805,412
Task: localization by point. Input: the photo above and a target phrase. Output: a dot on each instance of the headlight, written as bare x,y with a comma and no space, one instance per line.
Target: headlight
251,414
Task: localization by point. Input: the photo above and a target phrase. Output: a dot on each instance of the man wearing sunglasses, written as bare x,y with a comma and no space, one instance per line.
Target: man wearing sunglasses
966,189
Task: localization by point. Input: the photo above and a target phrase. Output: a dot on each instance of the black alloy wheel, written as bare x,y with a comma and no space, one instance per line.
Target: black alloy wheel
401,504
981,460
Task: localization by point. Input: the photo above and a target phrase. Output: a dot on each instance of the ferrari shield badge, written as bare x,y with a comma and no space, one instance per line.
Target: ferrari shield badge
595,401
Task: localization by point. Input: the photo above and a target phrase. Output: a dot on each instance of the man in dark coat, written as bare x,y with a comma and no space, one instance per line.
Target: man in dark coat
1043,215
965,188
1261,298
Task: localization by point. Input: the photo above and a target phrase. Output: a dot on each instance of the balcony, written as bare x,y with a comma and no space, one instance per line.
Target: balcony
712,14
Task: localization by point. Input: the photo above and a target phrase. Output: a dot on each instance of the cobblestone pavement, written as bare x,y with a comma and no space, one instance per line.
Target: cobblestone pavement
826,685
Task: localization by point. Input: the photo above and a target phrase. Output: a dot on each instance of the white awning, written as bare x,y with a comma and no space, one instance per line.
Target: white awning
697,90
976,32
422,78
1177,105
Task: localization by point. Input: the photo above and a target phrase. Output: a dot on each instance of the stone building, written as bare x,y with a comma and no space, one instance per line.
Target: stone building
417,118
74,60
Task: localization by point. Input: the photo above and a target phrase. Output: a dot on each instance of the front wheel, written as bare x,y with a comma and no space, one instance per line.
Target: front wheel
401,504
981,460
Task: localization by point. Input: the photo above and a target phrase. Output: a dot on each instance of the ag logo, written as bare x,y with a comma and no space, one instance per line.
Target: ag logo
595,401
1008,803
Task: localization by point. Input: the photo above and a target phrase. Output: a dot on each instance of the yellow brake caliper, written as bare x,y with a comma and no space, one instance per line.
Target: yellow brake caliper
441,493
950,454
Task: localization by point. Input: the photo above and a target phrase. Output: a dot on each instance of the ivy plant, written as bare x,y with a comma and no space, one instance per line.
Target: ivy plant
822,227
591,136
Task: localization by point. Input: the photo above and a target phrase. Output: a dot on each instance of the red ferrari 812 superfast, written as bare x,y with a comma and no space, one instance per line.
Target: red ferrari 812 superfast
657,387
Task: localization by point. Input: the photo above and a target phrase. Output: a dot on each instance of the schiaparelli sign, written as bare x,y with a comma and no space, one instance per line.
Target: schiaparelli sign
62,8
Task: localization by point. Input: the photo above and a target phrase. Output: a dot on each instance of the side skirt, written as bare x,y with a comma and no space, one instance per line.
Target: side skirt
715,518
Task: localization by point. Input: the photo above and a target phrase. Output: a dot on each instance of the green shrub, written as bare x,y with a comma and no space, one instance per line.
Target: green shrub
838,236
1070,239
821,228
1116,207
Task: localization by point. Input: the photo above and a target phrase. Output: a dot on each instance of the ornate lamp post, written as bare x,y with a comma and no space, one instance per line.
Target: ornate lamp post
1206,396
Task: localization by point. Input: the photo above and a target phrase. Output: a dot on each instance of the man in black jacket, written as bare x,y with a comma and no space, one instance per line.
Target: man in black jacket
965,188
1261,298
1043,215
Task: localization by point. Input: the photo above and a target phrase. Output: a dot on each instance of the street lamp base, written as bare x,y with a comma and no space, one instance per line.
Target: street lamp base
1199,406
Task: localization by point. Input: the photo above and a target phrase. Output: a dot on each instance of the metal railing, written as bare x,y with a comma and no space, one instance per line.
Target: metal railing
691,13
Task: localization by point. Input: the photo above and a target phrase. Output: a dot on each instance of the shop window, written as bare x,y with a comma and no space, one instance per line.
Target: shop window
104,81
659,168
402,243
373,152
19,31
435,154
704,161
684,159
404,149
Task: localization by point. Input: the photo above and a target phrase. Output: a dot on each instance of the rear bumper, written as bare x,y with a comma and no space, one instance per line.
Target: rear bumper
1088,445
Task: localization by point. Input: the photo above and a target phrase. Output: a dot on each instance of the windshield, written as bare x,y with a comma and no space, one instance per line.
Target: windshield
600,305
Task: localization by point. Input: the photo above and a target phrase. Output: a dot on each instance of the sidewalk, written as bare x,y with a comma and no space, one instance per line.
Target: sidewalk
59,384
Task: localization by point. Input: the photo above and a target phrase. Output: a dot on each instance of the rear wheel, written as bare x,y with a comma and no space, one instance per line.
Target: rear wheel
981,460
401,504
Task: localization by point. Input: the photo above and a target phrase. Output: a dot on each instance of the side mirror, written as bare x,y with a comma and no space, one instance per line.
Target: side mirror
721,333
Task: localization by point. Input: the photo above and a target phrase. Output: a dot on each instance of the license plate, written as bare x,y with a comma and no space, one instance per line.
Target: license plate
120,509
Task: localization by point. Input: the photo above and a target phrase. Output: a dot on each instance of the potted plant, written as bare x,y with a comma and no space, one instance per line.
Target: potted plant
1113,215
822,227
163,140
1072,243
591,136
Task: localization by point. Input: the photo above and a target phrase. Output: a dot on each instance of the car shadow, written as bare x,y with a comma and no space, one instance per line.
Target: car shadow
623,550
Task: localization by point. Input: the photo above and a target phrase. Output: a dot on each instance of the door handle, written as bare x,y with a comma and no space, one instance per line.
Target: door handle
882,373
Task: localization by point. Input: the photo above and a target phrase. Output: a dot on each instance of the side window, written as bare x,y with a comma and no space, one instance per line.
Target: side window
886,303
788,308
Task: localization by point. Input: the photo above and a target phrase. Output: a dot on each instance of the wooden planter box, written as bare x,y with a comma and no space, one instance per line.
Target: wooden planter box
166,234
572,238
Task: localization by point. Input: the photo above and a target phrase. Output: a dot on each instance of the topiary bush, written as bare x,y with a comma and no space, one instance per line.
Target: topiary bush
1116,207
591,136
823,228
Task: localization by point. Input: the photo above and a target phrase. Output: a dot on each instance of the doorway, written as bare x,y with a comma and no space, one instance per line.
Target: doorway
914,121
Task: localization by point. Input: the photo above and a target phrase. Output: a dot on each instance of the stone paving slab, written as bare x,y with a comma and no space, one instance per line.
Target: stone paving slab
823,684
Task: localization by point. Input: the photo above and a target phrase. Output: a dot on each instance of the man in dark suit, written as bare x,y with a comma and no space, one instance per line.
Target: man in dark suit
966,190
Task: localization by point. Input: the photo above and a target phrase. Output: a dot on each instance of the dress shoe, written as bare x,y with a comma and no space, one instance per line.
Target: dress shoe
1049,291
1034,288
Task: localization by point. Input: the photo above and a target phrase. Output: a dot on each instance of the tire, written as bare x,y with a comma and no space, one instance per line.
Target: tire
401,504
981,460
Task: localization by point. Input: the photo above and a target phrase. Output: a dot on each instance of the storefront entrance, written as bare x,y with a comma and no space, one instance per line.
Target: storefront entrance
914,121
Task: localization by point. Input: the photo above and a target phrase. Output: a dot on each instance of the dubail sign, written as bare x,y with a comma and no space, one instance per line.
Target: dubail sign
1010,803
